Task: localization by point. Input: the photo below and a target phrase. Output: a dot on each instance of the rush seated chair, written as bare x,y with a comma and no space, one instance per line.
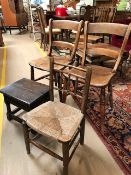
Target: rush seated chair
57,120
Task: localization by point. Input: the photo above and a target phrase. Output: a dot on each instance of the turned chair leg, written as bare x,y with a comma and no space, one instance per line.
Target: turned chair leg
26,137
59,83
82,131
42,38
102,105
64,94
65,150
110,95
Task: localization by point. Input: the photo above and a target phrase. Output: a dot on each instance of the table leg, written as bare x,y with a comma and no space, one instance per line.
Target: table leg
9,117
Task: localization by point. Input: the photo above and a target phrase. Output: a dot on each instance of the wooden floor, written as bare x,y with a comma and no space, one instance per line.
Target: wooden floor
91,159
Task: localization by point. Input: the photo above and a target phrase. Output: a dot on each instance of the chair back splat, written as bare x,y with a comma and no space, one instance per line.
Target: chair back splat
78,76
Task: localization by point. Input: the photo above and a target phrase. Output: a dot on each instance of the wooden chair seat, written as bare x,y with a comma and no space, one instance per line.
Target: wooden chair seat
44,63
55,119
100,77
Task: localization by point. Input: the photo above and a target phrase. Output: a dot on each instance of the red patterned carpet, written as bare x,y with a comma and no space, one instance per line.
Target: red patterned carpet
117,126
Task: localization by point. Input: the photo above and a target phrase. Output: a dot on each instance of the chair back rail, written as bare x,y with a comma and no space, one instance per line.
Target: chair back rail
84,77
105,28
64,25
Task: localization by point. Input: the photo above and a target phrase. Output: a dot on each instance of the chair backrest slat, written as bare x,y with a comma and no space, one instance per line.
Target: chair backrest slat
63,45
103,49
64,25
101,28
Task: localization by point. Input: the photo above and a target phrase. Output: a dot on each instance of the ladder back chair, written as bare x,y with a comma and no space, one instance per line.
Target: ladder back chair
57,120
102,14
102,76
54,43
44,29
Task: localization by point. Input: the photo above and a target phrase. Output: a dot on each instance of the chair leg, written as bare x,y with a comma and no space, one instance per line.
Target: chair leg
64,94
59,84
110,95
102,105
10,30
42,38
82,131
32,73
65,150
26,136
46,41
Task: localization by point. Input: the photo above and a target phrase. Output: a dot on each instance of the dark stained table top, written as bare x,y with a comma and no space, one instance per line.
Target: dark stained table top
26,93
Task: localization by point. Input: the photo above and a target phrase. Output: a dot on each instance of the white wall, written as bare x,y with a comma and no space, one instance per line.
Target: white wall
88,2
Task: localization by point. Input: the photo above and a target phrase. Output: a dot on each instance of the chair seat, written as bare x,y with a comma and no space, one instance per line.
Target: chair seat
44,64
55,31
55,119
101,76
100,49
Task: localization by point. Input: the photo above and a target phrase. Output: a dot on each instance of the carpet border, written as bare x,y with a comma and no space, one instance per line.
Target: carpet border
118,161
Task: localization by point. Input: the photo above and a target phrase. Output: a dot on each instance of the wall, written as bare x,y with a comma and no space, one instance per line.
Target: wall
88,2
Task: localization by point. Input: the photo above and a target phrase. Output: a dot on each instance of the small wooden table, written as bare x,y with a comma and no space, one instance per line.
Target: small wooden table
24,94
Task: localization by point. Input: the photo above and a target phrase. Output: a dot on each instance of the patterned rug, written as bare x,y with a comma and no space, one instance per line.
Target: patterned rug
116,134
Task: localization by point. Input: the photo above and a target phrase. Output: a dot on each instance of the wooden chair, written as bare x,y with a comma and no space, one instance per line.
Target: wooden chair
44,29
85,10
102,76
43,63
60,121
101,14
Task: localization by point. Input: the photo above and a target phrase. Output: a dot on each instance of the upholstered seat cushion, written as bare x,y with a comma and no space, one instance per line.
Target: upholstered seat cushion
54,119
44,63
